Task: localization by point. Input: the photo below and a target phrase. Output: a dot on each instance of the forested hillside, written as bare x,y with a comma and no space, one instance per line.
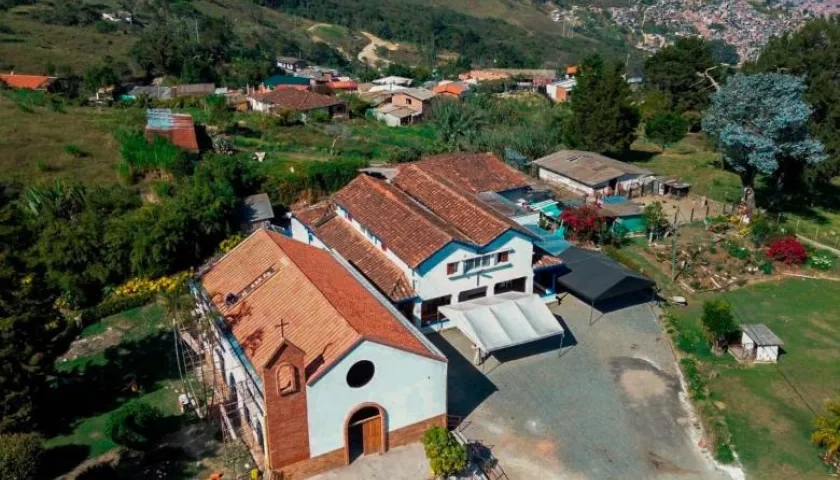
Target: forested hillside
45,35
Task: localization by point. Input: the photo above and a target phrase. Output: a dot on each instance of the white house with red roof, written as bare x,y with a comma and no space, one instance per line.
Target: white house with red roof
319,367
438,233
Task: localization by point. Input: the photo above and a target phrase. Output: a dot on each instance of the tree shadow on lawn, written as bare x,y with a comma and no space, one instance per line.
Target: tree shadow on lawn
826,197
634,156
164,462
61,459
131,369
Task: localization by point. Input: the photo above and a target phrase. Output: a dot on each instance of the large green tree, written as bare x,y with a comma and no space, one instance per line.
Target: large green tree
666,128
604,118
674,70
761,125
29,324
814,54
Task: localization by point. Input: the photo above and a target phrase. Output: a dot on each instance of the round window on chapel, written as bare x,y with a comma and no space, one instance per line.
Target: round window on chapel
360,374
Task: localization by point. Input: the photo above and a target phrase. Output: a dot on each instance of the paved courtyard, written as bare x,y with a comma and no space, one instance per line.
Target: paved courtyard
606,404
407,462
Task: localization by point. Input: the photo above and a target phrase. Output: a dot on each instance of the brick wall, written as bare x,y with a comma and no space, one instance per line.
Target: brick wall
337,458
313,466
286,419
414,432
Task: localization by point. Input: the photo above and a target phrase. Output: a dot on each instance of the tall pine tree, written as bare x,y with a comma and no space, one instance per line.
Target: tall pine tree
603,118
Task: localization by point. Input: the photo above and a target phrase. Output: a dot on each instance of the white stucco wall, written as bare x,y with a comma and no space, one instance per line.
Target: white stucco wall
435,282
411,388
558,179
762,354
625,182
767,354
301,234
250,399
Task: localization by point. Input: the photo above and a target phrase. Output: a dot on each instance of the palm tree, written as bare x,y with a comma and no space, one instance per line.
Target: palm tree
827,430
57,200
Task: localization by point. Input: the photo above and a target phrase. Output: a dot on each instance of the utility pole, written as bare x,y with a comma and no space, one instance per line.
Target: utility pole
674,248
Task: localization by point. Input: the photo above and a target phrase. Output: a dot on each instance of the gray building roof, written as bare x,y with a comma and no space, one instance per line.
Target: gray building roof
588,168
419,93
624,209
256,208
761,335
395,111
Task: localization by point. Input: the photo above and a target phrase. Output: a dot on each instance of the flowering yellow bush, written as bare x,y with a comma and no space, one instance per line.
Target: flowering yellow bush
139,286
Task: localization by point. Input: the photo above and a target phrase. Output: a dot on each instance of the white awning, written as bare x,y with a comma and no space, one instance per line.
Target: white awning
504,320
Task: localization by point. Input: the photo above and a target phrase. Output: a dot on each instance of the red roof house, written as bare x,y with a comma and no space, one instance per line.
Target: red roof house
28,82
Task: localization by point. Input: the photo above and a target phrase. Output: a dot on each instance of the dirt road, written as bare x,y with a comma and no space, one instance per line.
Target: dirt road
368,54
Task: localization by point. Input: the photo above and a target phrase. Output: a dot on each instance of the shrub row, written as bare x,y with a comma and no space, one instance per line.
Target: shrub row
107,308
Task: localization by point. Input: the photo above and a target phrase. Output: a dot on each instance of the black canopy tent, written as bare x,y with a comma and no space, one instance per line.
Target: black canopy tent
595,277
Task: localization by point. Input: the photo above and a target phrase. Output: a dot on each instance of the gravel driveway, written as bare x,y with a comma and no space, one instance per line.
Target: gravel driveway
605,405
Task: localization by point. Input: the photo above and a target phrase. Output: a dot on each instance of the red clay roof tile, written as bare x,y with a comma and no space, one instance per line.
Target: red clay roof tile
339,235
288,290
476,172
31,82
181,134
412,232
298,100
459,208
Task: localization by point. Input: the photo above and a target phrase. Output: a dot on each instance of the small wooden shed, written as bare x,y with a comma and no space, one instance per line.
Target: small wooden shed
760,343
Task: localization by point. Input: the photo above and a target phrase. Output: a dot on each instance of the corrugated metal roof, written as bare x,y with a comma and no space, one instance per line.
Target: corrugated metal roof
761,335
588,168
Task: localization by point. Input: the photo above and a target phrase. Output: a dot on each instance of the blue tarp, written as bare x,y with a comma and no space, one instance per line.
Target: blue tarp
614,199
552,243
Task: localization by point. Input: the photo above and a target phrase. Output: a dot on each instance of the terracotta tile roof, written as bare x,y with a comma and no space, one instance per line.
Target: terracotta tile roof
544,260
451,88
343,85
31,82
181,133
476,172
339,235
287,290
456,206
413,233
300,100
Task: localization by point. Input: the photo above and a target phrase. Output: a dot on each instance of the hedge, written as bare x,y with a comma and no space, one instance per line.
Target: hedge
107,308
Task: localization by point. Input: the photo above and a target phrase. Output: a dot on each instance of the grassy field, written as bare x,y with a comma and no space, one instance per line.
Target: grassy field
357,138
41,143
30,44
693,161
769,409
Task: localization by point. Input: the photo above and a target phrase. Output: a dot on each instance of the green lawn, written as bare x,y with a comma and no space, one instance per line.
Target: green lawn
97,382
769,408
